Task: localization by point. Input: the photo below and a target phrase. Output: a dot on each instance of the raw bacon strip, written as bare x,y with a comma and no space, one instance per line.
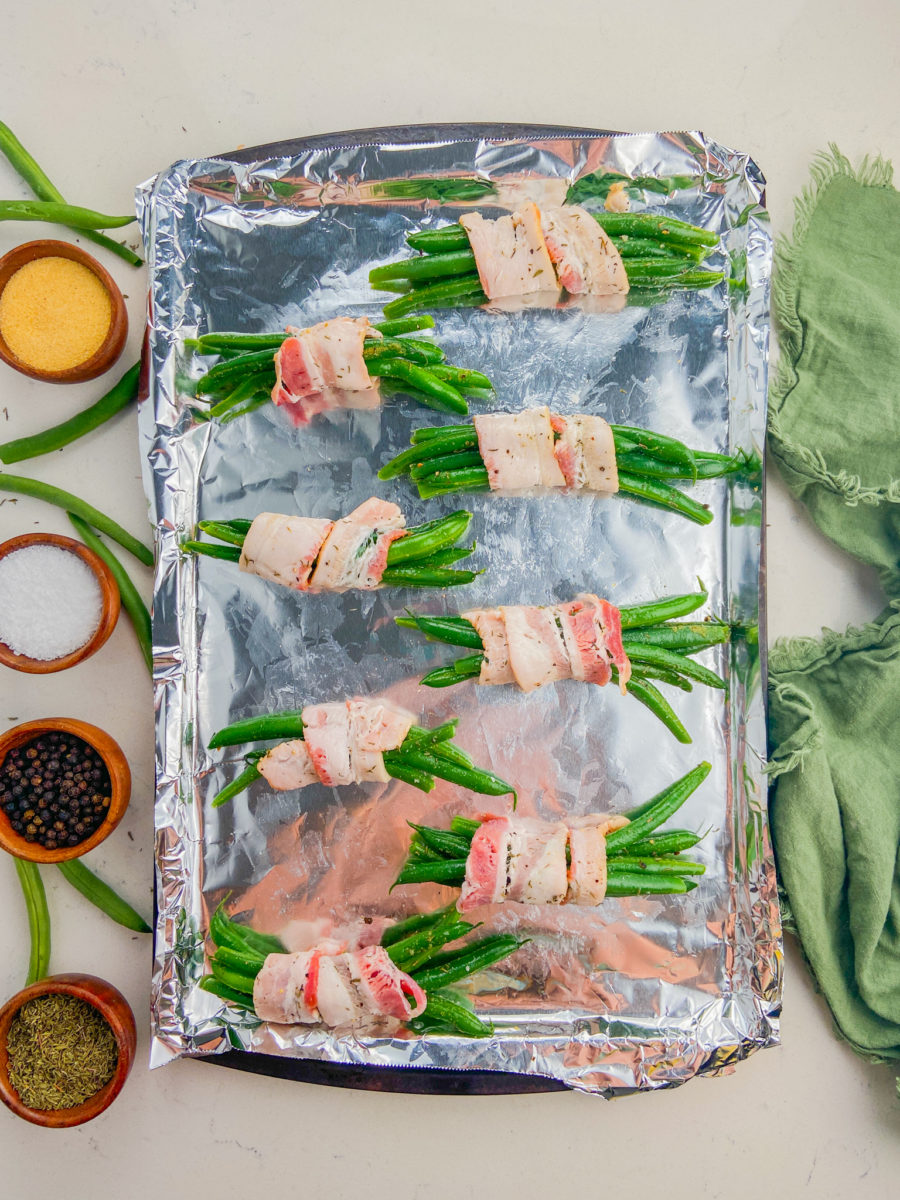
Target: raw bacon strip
280,988
537,651
491,628
284,549
326,731
288,766
583,634
385,990
355,552
374,728
542,449
510,253
586,453
537,862
523,860
585,259
487,865
612,633
322,367
517,450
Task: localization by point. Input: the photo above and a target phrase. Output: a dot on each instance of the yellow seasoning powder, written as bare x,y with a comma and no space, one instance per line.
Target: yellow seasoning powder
54,313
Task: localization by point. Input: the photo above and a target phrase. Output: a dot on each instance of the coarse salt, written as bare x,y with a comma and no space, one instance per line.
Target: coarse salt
50,602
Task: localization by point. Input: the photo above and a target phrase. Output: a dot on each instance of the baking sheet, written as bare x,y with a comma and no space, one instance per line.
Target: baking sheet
642,992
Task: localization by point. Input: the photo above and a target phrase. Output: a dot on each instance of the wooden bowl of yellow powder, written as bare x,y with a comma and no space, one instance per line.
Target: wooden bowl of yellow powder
62,317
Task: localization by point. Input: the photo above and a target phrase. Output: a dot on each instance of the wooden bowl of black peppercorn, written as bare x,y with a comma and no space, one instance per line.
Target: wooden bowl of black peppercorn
64,787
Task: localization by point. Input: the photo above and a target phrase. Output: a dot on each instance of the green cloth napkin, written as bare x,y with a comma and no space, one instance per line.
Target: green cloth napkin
834,703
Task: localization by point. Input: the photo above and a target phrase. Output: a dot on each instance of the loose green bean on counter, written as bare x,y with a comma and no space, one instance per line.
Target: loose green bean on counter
102,896
38,918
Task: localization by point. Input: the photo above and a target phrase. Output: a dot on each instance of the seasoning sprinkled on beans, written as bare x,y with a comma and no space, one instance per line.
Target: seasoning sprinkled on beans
55,790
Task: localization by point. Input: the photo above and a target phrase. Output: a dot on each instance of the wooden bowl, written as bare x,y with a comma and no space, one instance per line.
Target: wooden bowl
119,777
113,1006
109,611
111,346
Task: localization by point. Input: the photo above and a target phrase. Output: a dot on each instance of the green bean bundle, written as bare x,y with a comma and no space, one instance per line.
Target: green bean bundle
415,947
422,558
447,460
658,254
245,376
655,644
636,863
422,756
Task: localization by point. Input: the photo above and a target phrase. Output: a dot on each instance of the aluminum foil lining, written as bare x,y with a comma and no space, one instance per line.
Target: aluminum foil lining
639,993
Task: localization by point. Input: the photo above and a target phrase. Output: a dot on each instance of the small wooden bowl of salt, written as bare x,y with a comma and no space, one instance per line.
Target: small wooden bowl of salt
58,603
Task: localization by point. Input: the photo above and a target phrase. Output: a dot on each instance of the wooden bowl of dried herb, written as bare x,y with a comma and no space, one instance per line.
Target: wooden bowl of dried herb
66,1048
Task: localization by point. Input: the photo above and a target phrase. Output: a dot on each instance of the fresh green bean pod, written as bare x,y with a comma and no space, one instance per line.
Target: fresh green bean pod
653,865
428,267
118,397
248,776
407,774
465,289
444,1011
419,543
636,884
405,325
475,958
659,656
434,391
661,229
460,460
222,343
60,214
657,810
663,496
413,924
439,241
448,872
210,550
651,697
102,895
245,961
230,372
264,728
38,918
444,629
216,988
656,611
671,842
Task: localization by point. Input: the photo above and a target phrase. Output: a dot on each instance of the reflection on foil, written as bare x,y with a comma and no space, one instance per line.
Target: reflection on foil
643,992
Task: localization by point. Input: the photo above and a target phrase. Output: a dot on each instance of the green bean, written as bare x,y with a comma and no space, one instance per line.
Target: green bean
223,931
248,776
239,524
476,958
429,266
637,247
262,944
419,452
251,406
226,932
264,728
431,433
72,504
238,981
661,657
672,842
418,949
449,872
652,698
463,668
463,378
467,479
466,289
406,774
390,348
473,778
405,325
44,189
653,865
419,852
401,929
631,884
248,963
664,675
663,229
439,241
38,918
232,370
709,466
656,611
117,398
453,631
446,462
445,842
656,444
427,577
59,214
433,354
418,736
243,390
222,531
215,986
465,825
137,610
227,553
222,343
696,279
441,1010
421,544
658,810
663,496
436,393
445,558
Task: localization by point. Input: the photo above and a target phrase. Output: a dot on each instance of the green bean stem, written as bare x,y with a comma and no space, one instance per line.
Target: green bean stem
137,610
38,919
72,504
118,397
102,895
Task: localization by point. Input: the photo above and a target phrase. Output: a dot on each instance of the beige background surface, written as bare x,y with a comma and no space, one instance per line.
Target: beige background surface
107,93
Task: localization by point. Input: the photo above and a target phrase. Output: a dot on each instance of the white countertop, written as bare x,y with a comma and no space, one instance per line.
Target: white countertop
106,94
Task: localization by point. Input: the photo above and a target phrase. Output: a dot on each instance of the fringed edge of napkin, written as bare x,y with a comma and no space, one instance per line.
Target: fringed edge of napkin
827,166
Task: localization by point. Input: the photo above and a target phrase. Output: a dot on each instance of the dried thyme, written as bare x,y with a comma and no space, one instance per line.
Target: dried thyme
61,1052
